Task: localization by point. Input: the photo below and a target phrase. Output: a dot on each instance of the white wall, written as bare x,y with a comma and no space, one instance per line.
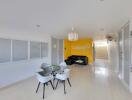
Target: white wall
12,72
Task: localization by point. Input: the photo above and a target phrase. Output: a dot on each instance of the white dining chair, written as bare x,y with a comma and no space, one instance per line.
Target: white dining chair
63,77
63,66
44,80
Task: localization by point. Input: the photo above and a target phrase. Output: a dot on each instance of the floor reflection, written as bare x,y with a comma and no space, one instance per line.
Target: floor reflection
101,68
101,71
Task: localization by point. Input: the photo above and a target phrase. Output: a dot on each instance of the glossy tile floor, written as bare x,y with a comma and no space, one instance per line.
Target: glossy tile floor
88,83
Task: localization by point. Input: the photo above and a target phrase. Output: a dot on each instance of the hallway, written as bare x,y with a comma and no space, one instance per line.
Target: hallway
107,84
88,83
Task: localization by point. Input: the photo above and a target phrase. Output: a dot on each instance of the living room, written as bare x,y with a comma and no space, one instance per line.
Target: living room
73,49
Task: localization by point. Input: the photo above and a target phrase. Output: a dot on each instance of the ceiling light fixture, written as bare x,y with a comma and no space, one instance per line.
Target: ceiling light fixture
72,36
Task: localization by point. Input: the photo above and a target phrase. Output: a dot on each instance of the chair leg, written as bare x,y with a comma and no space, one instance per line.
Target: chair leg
69,81
57,84
46,83
53,80
51,84
64,87
43,90
38,87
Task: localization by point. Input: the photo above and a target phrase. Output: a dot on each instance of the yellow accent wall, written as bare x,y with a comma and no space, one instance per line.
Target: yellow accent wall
67,49
80,47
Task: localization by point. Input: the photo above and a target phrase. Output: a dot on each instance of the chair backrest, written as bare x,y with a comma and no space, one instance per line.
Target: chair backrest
63,66
43,65
46,68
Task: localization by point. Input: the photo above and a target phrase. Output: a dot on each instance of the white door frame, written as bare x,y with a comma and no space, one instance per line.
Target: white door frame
130,64
127,86
130,44
122,33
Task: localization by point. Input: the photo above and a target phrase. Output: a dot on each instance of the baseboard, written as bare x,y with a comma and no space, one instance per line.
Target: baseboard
125,84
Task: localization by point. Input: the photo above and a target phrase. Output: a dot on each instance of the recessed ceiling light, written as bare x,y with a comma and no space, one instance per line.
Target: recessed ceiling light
37,25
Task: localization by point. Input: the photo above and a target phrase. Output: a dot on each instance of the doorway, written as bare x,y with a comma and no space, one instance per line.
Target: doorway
57,51
101,49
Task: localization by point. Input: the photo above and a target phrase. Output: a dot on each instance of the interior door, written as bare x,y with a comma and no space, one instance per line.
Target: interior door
60,51
126,55
120,54
54,46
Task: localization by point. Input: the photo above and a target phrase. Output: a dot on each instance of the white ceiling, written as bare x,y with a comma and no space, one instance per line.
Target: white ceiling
57,17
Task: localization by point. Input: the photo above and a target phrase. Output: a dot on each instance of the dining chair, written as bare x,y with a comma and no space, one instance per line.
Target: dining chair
46,68
63,66
44,79
44,65
63,77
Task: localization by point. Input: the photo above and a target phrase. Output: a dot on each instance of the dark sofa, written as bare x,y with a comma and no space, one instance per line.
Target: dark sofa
77,59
